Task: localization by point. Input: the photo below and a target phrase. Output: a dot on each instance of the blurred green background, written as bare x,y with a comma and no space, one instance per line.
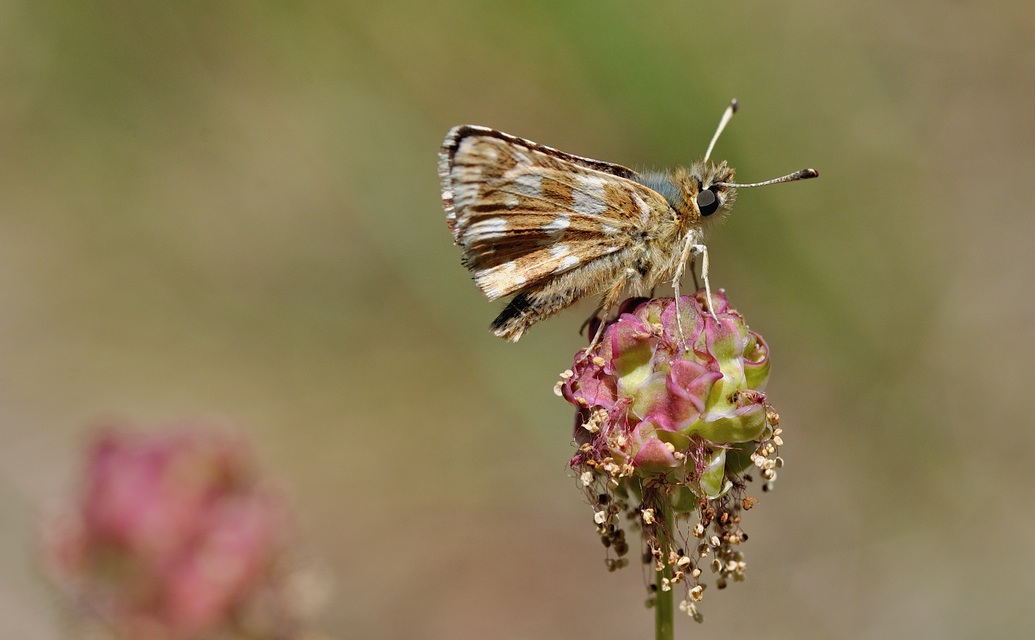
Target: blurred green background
231,209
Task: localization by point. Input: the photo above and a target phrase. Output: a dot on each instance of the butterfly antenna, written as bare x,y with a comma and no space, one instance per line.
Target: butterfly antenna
726,117
804,174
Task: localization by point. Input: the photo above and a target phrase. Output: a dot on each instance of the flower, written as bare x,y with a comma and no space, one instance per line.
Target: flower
671,416
173,538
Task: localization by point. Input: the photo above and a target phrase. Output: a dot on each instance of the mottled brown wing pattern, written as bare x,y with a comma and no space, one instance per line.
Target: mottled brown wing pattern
525,214
460,133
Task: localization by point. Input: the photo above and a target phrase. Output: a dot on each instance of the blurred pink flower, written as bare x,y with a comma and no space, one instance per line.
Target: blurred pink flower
173,536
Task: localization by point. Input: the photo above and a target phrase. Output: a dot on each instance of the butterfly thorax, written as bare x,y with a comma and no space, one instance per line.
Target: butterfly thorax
658,254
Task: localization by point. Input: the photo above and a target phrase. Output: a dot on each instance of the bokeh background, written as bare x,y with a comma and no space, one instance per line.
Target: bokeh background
231,209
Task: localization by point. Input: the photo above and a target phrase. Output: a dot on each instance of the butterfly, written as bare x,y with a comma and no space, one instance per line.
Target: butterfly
551,228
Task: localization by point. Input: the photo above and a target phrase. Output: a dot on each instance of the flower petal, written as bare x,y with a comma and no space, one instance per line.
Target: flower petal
756,362
713,481
744,424
653,454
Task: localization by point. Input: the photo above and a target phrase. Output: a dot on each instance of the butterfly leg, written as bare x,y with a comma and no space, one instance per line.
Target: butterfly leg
610,300
703,250
679,316
685,257
593,316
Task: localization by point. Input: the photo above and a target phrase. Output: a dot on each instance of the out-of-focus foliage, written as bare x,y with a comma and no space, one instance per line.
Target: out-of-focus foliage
233,209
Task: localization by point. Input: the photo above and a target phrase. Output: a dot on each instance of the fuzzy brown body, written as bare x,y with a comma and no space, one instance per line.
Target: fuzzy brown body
552,227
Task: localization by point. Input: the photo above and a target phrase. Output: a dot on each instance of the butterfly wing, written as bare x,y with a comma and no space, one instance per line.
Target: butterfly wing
524,213
462,132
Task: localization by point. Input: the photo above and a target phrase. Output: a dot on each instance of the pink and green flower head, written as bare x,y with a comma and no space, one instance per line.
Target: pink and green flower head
671,415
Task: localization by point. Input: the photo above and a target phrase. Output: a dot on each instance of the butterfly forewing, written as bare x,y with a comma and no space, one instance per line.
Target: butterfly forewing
524,213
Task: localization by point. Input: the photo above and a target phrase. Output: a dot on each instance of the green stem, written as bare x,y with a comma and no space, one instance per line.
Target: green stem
663,609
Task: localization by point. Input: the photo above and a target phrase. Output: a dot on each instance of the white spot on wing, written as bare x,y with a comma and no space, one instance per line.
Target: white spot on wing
560,223
510,270
589,197
567,263
499,280
559,250
488,229
562,252
529,184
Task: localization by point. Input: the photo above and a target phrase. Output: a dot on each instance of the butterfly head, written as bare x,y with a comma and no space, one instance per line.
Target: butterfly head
703,193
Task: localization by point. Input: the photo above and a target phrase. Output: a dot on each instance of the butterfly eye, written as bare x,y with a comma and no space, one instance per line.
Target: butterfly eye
707,202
